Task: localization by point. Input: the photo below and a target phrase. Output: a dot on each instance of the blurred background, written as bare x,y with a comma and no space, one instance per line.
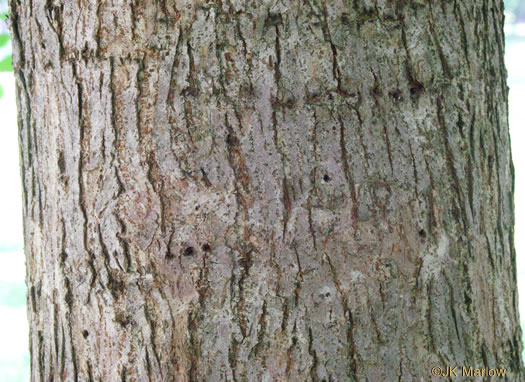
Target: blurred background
14,353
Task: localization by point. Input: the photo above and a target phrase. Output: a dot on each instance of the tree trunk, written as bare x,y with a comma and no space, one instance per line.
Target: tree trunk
266,191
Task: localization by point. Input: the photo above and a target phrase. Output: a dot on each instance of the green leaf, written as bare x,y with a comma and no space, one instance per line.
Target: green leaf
6,65
4,39
4,15
1,92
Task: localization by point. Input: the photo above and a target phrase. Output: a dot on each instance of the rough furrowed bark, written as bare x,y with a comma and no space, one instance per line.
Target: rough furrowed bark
265,191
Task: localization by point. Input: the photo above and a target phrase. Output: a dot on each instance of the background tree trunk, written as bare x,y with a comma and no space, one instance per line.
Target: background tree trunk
265,191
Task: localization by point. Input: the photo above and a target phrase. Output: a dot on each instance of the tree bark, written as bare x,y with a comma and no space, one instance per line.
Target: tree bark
266,191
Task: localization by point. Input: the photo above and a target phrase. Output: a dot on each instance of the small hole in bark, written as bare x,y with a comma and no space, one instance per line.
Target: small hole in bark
468,300
416,89
422,233
326,178
461,124
197,207
85,333
188,251
289,102
206,247
122,319
314,97
61,162
346,19
395,94
232,140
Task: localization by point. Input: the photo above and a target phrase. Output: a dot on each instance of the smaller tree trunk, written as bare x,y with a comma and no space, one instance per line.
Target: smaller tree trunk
266,191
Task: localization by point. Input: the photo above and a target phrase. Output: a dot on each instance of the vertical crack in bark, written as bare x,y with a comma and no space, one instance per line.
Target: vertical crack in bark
148,364
238,166
171,97
123,372
377,93
500,46
499,227
298,277
313,354
81,138
310,222
452,303
389,149
350,343
328,37
55,308
444,63
261,332
41,354
287,206
115,126
203,282
246,262
54,14
244,46
313,179
429,315
346,170
98,33
139,78
73,353
460,21
153,345
133,22
451,163
192,90
233,356
277,78
121,236
414,168
344,154
90,372
289,351
63,353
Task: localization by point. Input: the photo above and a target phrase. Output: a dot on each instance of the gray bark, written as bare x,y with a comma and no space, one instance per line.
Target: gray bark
275,190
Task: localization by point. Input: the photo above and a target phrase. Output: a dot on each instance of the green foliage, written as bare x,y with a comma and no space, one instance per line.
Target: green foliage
3,16
6,65
5,62
4,39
